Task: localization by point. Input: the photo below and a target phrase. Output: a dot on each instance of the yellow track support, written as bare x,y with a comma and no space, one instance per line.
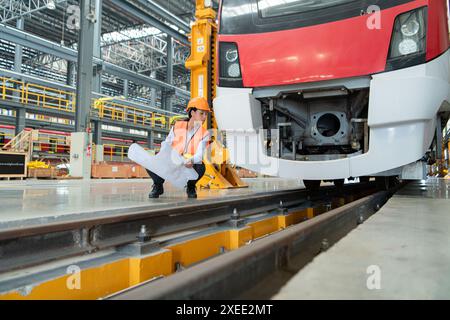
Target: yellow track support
219,175
99,279
105,278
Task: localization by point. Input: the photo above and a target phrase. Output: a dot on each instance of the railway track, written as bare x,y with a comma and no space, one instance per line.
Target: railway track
37,243
260,269
137,232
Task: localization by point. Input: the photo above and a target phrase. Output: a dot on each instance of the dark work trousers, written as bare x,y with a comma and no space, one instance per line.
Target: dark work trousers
199,168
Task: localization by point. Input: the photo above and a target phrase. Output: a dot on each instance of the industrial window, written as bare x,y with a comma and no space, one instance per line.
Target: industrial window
139,132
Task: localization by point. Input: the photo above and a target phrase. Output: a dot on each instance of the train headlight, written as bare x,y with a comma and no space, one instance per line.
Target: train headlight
234,71
231,55
229,65
408,46
409,40
410,28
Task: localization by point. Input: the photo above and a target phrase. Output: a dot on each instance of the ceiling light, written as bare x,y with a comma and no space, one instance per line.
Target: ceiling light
51,5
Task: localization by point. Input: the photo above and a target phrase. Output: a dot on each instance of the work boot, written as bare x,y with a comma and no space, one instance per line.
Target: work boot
157,190
191,191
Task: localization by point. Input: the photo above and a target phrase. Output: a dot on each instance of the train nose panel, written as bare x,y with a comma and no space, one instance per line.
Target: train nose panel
402,116
341,49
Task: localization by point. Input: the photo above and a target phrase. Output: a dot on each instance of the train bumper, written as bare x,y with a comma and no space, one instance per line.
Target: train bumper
402,118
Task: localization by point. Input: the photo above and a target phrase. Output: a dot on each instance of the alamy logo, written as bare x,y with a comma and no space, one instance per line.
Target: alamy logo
374,19
374,280
73,20
73,281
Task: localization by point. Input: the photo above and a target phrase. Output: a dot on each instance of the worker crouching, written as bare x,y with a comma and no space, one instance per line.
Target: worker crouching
190,139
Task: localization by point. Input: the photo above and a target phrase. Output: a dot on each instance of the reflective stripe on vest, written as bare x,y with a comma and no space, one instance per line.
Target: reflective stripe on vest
180,143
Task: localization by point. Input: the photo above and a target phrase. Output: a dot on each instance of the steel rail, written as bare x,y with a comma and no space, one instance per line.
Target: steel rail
229,275
28,245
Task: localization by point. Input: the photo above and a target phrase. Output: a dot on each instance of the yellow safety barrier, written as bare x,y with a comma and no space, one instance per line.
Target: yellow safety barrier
36,95
12,89
51,144
54,143
113,151
50,98
114,111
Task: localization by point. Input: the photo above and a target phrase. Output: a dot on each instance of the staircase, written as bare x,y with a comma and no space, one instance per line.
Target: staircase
22,143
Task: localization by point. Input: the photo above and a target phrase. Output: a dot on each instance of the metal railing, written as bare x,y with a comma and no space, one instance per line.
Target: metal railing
117,152
113,152
122,113
55,99
58,144
49,98
36,95
51,143
12,89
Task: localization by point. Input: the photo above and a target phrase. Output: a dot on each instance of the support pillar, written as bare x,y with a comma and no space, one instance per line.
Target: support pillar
81,140
18,55
169,72
163,99
166,100
153,92
98,141
98,133
18,50
85,60
169,68
125,88
70,81
97,82
20,112
70,73
20,120
150,140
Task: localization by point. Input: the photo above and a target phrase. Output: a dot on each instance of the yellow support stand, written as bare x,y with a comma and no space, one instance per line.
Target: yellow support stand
219,174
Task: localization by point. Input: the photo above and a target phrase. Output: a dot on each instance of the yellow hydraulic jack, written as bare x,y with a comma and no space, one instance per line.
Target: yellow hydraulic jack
202,63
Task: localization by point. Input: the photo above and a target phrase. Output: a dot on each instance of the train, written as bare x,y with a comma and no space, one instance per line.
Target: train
331,90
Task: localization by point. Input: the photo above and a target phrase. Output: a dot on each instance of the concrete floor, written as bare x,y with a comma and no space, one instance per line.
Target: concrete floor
43,201
402,252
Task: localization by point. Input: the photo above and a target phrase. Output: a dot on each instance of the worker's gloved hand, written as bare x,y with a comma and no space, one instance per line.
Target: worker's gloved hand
188,163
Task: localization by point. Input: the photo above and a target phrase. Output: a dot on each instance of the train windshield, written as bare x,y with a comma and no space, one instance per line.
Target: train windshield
276,8
259,16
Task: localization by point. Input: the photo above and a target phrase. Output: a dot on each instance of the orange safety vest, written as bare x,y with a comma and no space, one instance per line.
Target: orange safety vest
180,142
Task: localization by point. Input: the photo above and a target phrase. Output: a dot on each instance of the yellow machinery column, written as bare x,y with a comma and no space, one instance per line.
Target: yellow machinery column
202,63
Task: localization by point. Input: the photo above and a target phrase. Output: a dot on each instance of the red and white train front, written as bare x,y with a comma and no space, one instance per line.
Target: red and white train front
323,90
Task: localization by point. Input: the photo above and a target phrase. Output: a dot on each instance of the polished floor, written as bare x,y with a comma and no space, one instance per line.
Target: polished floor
402,252
46,201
